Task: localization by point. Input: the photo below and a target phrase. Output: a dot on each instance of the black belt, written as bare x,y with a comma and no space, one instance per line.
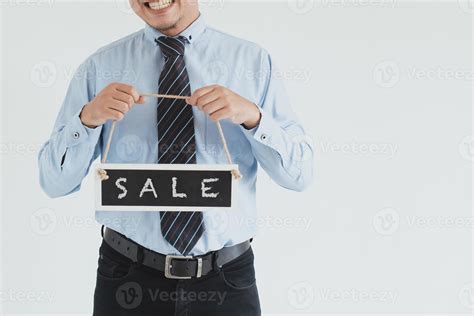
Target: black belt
174,267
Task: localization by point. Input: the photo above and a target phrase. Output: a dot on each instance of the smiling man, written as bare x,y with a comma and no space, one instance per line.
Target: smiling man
173,263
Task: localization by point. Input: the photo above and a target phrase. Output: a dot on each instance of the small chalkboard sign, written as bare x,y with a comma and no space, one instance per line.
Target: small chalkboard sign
162,187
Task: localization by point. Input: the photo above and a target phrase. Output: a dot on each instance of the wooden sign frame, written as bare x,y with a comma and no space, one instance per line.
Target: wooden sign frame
101,184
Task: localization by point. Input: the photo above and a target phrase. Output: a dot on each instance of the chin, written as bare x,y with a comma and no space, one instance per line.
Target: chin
160,14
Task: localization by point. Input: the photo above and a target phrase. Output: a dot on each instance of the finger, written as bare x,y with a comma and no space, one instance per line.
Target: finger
114,115
204,100
222,114
214,106
120,106
124,97
199,93
129,90
141,100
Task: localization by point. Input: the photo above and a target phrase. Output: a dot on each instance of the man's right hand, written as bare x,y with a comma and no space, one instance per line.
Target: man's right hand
112,103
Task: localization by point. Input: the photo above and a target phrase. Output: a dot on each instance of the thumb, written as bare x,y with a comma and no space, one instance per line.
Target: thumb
141,100
191,100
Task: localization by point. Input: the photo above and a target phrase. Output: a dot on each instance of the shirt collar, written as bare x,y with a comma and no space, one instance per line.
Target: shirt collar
191,34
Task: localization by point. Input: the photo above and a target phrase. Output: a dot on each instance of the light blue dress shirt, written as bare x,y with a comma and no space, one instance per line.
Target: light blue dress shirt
278,144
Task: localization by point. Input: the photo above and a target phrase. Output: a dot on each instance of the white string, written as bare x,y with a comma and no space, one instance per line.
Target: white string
103,174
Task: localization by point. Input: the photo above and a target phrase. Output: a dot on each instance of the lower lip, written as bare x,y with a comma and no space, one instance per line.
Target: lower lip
160,11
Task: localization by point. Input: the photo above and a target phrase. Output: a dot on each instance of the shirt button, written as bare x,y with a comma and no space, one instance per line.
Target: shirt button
76,135
264,137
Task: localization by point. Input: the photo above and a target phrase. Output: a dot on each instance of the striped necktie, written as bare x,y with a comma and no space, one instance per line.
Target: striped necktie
176,140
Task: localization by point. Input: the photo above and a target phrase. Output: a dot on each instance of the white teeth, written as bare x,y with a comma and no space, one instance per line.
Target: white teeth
158,5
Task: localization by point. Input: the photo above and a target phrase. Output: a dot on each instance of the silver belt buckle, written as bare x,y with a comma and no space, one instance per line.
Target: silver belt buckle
168,266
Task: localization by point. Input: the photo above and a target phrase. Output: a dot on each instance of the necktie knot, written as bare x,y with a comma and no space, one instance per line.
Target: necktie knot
171,46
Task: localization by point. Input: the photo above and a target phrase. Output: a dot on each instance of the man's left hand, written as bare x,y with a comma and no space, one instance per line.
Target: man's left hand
221,103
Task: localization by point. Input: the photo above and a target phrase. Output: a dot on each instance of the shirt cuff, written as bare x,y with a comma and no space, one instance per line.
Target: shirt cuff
263,132
77,133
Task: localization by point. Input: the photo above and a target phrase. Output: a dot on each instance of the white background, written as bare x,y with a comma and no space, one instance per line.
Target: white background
384,89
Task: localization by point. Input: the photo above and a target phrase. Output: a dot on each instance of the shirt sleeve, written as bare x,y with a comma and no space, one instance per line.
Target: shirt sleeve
279,142
66,157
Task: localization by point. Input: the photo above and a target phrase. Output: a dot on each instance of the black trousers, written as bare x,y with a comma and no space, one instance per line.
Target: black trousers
127,288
